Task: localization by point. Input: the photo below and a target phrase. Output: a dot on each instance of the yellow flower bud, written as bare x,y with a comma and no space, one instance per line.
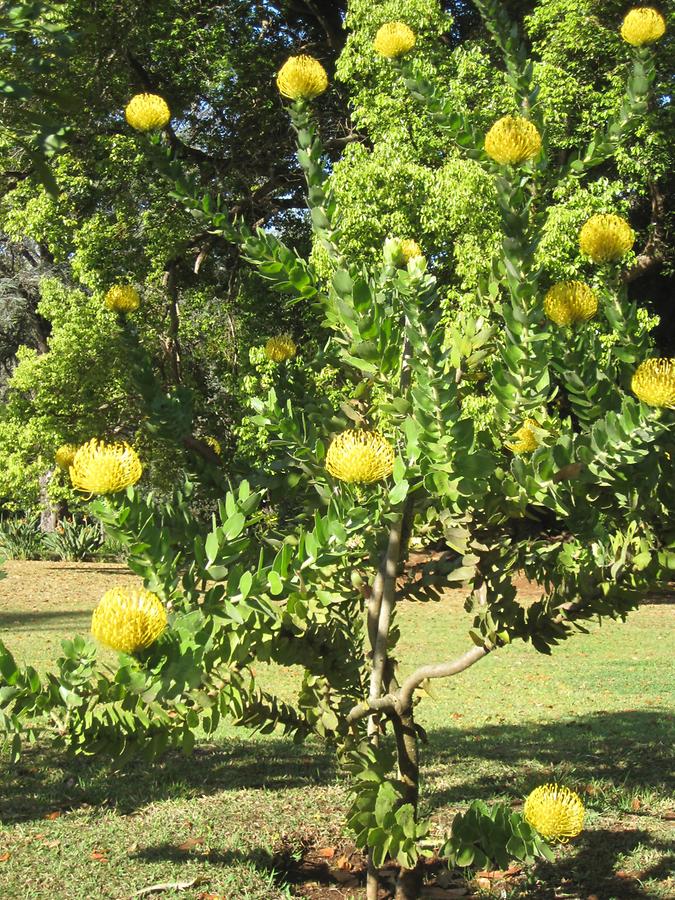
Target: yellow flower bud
394,39
65,455
606,238
643,25
122,298
407,250
526,438
280,348
570,302
102,468
213,443
360,457
512,140
128,620
302,78
556,812
653,382
147,112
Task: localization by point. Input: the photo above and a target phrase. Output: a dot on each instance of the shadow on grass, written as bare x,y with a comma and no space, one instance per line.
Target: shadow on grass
630,749
591,866
44,781
86,568
18,620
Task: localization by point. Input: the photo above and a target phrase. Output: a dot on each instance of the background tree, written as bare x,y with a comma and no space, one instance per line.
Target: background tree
215,64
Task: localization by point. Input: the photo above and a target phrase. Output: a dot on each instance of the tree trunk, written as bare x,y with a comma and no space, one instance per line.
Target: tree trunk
47,511
409,881
409,884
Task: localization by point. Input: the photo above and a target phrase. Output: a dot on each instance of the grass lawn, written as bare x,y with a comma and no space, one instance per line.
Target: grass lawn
249,818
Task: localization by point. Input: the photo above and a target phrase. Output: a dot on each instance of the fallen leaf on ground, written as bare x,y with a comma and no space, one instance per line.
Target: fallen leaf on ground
498,874
635,805
53,815
4,857
669,815
99,855
191,843
326,852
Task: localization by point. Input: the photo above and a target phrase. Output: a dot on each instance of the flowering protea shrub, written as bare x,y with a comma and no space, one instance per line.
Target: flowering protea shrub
571,483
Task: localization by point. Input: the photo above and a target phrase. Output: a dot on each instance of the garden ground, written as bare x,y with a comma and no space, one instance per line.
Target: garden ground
251,818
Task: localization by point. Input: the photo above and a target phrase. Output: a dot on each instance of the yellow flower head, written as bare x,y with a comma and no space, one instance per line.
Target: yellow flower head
280,348
512,140
527,440
213,443
102,468
556,812
407,250
653,382
570,302
147,112
128,620
122,298
606,238
360,456
643,25
302,78
65,455
394,39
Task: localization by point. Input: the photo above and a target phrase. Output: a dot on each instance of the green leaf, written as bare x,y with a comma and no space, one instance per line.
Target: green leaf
234,526
342,283
245,584
399,492
275,583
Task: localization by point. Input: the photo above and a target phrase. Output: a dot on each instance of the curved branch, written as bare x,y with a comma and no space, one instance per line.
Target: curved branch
440,670
401,701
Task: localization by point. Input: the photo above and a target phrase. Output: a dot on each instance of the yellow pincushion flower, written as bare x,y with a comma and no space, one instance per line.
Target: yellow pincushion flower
128,620
526,438
407,250
147,112
653,382
606,238
643,25
103,468
213,443
122,298
512,140
394,39
65,455
302,78
360,457
570,302
280,348
556,812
